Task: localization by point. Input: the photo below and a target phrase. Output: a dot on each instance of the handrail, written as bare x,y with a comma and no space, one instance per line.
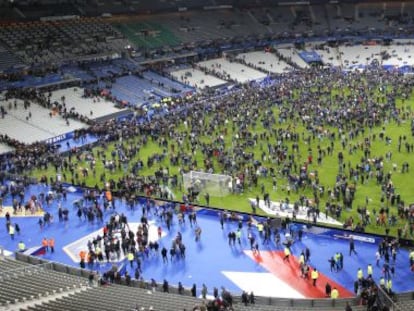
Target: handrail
384,299
262,300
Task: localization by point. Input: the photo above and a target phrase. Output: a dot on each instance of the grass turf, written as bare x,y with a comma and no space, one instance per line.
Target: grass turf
327,171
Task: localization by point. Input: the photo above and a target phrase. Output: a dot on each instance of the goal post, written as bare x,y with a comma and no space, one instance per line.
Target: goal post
214,184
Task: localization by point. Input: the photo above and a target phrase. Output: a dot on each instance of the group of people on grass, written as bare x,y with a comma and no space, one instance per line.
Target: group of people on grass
333,114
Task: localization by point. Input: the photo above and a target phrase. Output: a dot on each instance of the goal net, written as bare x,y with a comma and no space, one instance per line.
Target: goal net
214,184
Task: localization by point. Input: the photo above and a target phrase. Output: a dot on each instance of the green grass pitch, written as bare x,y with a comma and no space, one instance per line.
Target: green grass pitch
327,171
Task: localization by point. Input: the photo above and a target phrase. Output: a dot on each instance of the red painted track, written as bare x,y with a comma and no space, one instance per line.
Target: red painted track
290,273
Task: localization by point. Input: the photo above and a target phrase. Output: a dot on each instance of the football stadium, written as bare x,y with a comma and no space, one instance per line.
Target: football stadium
205,155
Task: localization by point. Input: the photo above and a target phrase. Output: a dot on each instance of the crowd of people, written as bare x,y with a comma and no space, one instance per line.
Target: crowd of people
331,124
345,120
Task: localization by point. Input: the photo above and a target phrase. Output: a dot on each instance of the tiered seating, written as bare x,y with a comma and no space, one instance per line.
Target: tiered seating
347,10
400,54
266,61
329,55
17,124
234,71
354,56
341,17
133,90
408,9
332,13
40,282
282,17
164,86
38,117
50,9
9,265
370,16
392,9
208,25
76,72
197,78
147,35
302,22
100,70
22,131
21,282
113,7
7,59
8,13
262,16
119,298
89,107
292,54
405,301
319,18
53,42
34,81
182,27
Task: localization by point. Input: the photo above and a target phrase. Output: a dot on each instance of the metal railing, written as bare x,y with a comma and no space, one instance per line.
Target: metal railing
321,304
384,300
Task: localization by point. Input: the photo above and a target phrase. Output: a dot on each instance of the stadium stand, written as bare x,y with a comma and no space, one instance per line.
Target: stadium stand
197,78
49,10
329,55
164,86
223,68
91,107
265,60
132,90
54,41
34,123
44,280
291,55
7,59
21,281
147,35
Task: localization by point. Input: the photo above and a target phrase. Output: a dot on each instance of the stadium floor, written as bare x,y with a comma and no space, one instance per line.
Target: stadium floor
67,144
211,260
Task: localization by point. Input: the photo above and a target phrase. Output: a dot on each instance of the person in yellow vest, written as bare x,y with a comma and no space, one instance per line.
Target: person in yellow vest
334,293
302,264
369,270
389,286
314,276
98,252
411,256
260,229
302,259
238,236
382,282
11,231
287,254
360,274
131,258
337,261
22,246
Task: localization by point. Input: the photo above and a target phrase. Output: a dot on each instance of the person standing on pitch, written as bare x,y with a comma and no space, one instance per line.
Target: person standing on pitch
352,247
